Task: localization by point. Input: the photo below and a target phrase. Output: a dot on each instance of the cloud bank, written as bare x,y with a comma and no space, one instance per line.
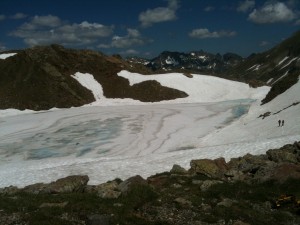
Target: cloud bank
272,12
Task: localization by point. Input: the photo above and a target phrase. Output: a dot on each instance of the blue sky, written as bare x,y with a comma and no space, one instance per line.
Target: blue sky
147,27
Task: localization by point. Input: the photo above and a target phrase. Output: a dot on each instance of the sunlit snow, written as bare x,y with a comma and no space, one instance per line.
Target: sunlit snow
123,137
6,55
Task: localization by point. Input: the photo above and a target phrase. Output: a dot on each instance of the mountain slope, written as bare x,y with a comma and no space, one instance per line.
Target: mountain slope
278,67
40,78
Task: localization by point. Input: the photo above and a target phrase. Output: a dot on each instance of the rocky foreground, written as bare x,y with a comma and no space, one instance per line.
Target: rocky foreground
253,189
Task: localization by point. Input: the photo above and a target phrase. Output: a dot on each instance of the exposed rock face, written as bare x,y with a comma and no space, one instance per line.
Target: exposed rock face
211,168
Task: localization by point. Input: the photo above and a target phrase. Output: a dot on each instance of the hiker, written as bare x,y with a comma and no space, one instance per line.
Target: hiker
282,123
279,123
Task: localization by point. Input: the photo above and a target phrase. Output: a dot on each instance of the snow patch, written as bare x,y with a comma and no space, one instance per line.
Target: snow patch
6,55
292,60
88,81
171,61
285,58
284,75
270,80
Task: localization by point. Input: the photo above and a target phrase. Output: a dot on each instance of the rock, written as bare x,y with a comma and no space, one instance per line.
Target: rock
226,202
11,190
211,168
183,202
282,155
97,220
68,184
197,182
248,163
178,169
127,185
208,183
234,174
285,171
52,205
107,190
297,145
176,185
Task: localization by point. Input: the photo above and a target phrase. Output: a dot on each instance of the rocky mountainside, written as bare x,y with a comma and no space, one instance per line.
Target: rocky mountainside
39,78
279,67
196,61
249,190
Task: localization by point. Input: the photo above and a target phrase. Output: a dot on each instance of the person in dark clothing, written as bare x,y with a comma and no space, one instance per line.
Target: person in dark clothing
279,123
282,123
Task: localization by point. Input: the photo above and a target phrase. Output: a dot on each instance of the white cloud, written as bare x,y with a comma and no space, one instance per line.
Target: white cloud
18,16
160,14
272,12
41,30
133,38
2,17
203,33
246,6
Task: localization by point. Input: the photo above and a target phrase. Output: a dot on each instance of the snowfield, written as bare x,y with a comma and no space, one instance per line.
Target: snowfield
122,137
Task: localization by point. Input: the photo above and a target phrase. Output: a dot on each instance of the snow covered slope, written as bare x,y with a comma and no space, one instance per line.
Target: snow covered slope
200,88
251,127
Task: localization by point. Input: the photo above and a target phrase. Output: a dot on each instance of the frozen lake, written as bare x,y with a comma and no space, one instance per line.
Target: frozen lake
73,136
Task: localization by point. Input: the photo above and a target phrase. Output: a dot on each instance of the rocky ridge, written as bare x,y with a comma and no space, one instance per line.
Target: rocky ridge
253,189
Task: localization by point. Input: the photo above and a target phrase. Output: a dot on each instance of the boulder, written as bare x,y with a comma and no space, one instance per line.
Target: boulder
176,169
248,163
210,168
126,186
107,190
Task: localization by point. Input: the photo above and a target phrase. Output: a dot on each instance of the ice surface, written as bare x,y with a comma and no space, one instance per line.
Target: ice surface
122,137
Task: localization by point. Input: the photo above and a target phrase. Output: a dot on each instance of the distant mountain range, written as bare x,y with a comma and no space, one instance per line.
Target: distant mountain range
40,77
196,61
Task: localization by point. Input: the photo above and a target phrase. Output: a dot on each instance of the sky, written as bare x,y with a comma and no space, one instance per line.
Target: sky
145,28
